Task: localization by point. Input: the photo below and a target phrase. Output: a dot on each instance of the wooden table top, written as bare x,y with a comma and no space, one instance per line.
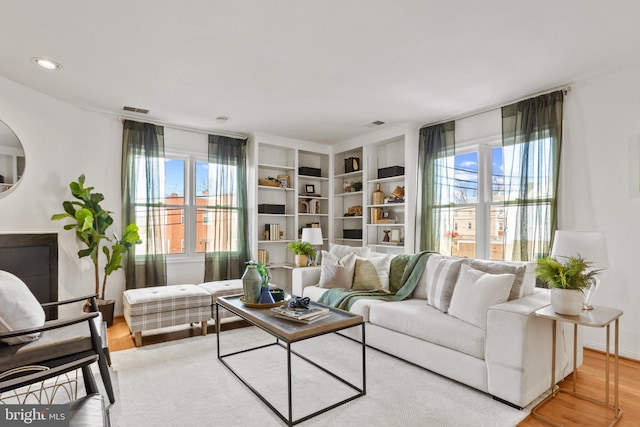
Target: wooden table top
289,330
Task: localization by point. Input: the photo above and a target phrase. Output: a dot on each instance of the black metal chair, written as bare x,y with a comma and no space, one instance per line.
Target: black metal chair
62,341
87,411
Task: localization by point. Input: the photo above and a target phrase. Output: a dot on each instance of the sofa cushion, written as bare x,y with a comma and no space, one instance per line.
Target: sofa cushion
19,308
363,307
503,267
337,272
314,292
476,291
442,273
342,250
418,319
372,272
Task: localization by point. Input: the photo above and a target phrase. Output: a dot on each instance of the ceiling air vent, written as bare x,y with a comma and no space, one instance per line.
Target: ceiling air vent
376,123
135,110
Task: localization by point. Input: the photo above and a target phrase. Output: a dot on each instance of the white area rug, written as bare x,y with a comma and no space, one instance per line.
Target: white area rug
182,383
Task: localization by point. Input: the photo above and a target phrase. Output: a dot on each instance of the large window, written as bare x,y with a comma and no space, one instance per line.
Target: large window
186,210
483,178
473,220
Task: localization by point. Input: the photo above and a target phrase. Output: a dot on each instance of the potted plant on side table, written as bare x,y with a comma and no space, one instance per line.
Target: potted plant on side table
91,223
302,250
566,281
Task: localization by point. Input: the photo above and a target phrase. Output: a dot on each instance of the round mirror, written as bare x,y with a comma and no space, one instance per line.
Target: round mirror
12,160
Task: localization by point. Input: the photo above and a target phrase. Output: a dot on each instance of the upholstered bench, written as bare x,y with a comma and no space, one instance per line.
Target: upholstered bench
222,288
162,306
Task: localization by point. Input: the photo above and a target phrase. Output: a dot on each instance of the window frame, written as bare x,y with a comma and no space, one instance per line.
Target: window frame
484,201
189,207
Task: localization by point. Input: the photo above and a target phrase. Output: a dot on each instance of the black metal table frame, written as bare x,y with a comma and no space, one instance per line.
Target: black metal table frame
361,391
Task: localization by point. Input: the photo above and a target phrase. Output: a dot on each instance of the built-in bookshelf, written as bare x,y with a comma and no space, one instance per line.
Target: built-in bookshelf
348,206
385,219
276,211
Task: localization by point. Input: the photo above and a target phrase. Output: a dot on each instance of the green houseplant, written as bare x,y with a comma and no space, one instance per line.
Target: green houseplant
567,281
91,223
302,250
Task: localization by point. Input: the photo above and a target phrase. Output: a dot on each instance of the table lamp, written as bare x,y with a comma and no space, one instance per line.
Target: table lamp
590,245
313,236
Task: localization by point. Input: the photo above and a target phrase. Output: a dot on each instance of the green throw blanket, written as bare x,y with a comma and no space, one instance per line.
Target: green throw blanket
404,274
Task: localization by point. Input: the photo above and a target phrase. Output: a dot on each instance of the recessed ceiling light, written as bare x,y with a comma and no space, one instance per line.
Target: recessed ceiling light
46,63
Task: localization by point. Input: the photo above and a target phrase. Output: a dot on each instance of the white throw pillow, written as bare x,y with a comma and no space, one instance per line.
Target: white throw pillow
19,309
341,250
337,272
476,291
503,267
372,272
442,273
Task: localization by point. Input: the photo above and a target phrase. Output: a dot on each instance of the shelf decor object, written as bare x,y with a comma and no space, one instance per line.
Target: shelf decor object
378,196
590,245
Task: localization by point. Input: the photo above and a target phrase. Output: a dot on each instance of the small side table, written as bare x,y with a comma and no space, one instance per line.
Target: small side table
597,318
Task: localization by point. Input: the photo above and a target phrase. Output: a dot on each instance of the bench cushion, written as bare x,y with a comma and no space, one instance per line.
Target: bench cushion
160,299
222,288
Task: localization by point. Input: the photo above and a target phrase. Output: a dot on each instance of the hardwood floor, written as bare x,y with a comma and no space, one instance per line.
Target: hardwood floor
570,411
121,339
567,410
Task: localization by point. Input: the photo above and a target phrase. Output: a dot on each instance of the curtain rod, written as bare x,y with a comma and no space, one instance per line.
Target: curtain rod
123,117
565,89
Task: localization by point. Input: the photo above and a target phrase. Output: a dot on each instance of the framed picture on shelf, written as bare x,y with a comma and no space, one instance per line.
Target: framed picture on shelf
310,189
385,214
284,181
395,235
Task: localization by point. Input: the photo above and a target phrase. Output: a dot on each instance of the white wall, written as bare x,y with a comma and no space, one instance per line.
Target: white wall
60,142
601,189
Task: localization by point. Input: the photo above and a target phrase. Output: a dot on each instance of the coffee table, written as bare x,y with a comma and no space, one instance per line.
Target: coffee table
286,333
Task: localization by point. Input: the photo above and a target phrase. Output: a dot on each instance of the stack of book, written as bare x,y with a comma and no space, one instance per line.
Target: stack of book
272,232
302,315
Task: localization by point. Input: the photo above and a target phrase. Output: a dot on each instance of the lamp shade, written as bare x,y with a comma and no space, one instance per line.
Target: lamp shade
313,236
590,245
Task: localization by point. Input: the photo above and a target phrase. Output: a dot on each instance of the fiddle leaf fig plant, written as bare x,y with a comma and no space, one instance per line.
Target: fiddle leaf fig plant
91,223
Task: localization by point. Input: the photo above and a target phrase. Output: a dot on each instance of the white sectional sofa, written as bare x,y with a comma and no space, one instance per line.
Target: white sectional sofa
510,358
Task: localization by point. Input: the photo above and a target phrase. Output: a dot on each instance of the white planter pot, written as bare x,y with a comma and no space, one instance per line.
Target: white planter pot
301,260
567,301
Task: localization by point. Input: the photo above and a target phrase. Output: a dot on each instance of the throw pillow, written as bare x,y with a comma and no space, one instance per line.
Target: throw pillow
396,271
19,309
372,272
337,272
476,291
503,267
341,250
442,273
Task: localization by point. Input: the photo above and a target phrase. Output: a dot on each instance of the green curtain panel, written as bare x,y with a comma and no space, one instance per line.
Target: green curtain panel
142,173
227,236
436,153
532,141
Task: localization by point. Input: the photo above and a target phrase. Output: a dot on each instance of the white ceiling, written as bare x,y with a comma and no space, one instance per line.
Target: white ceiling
314,70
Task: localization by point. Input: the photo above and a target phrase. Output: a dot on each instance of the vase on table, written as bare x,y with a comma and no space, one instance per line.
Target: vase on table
567,301
265,296
251,284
